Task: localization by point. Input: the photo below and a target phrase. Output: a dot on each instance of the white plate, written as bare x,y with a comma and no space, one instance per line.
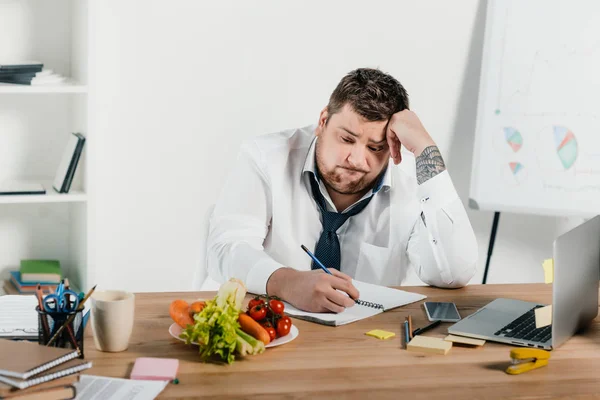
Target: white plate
175,330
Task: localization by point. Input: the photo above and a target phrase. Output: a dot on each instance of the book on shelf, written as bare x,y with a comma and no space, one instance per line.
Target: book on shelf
35,271
9,288
28,287
20,188
68,163
29,73
22,73
21,66
17,75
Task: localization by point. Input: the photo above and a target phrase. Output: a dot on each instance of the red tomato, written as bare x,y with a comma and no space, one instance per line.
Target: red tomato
283,326
258,312
269,328
254,302
276,306
271,331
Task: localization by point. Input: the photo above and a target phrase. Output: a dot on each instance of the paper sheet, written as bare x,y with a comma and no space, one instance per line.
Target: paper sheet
548,266
543,316
388,297
92,387
18,316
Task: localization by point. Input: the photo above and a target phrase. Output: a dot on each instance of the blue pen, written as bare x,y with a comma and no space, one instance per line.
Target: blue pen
406,332
315,259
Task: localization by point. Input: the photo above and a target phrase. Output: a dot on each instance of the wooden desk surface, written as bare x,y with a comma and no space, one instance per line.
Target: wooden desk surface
342,362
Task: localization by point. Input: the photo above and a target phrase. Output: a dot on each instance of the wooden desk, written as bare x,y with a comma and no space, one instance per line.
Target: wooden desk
342,362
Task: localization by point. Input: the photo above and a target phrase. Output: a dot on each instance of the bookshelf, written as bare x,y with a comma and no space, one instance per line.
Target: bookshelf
36,123
69,87
51,196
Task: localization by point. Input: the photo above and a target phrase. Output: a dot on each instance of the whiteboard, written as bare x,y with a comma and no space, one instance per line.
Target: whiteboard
537,141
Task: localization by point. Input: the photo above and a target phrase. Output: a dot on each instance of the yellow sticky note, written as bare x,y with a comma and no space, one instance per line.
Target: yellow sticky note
426,344
543,316
464,340
379,334
548,266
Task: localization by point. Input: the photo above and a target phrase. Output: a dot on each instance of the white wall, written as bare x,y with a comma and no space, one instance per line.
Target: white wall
178,85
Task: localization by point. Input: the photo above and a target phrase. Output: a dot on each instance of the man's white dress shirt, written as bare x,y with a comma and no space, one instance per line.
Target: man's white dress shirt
265,211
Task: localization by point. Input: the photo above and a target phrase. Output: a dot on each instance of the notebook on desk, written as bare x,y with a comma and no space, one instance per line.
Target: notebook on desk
26,364
370,294
23,360
60,388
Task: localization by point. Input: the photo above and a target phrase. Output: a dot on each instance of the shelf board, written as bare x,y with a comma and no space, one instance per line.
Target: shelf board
67,87
51,196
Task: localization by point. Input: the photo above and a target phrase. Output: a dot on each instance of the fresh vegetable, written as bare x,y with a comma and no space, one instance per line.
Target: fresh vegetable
276,306
231,292
247,345
253,328
223,330
179,312
196,307
270,330
254,302
284,325
274,315
258,312
216,326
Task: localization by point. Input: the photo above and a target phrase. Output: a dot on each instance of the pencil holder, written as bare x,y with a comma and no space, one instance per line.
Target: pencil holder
61,329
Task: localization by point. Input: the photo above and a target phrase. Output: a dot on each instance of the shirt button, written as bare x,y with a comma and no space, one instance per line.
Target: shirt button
434,241
424,199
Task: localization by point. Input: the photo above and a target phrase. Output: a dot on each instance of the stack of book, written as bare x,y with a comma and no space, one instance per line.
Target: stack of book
32,371
28,73
47,273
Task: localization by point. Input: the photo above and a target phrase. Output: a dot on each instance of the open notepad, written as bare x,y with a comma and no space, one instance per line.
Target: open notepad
389,298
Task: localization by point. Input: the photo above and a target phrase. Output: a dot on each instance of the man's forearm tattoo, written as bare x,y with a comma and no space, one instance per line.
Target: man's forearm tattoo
429,164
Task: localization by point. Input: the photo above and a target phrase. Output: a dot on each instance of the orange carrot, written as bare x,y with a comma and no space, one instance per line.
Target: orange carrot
179,312
253,328
196,307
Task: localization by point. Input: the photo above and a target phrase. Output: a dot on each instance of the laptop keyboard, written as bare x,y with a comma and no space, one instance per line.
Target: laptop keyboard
524,328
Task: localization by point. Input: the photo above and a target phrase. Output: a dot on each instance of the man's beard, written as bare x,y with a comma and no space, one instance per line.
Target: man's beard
334,181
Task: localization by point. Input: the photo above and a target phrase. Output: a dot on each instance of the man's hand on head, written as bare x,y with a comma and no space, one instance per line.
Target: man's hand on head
313,291
405,129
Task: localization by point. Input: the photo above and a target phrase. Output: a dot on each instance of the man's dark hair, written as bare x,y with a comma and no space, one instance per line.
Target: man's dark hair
371,93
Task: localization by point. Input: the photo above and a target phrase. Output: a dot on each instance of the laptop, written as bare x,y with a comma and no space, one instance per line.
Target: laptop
574,298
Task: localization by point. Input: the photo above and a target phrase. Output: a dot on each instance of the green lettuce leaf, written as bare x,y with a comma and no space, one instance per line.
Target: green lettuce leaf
215,326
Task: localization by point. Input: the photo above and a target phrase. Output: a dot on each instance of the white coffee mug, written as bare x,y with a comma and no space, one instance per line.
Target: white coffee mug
112,319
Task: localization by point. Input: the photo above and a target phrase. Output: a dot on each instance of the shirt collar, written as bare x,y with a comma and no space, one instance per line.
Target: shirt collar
310,166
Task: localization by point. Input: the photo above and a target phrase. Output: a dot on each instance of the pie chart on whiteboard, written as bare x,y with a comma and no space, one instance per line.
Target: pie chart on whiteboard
566,146
513,138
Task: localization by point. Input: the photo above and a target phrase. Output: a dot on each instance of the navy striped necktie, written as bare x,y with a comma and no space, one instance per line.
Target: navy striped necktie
328,247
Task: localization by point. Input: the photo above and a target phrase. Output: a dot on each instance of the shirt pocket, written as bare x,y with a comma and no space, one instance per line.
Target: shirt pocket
375,265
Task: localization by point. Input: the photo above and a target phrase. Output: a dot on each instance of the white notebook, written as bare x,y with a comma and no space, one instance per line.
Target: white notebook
387,297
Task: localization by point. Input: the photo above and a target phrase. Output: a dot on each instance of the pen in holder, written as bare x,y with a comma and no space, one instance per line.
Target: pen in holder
61,329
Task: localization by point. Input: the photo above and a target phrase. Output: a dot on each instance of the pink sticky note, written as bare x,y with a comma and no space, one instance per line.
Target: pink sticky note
155,369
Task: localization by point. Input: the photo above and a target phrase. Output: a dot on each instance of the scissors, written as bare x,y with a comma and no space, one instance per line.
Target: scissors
61,301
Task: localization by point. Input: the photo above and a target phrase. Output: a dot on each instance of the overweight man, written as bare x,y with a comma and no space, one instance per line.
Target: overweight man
365,189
